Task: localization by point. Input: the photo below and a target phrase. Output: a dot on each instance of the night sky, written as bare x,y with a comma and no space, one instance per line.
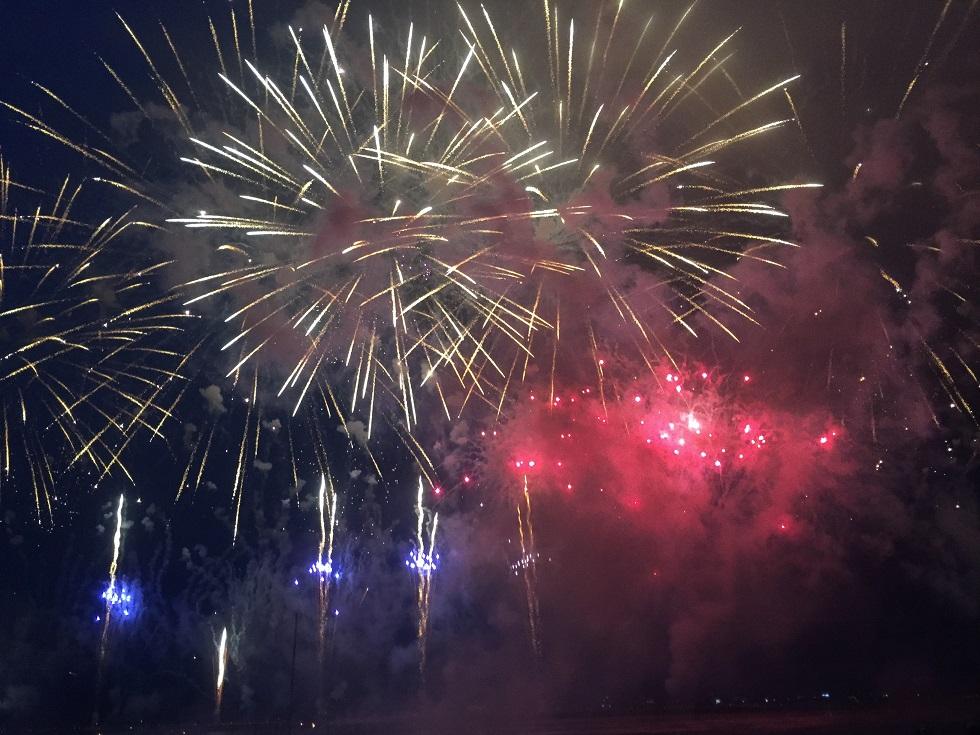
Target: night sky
692,415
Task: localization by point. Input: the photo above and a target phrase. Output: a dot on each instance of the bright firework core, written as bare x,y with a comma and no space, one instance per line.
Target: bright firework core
420,561
323,569
524,562
119,598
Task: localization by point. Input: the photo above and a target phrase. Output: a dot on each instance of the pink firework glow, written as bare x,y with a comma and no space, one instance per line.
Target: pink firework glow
668,443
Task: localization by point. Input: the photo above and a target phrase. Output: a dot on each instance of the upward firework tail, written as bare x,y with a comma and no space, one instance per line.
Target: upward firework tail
323,568
423,561
110,596
222,661
527,567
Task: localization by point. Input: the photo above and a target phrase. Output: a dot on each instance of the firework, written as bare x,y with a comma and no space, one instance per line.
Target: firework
323,567
84,365
413,217
518,220
660,448
420,218
120,597
111,595
527,567
428,228
222,661
423,561
116,598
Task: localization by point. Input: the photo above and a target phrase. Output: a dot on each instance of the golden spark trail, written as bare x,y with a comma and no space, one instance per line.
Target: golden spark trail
527,564
461,154
83,369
